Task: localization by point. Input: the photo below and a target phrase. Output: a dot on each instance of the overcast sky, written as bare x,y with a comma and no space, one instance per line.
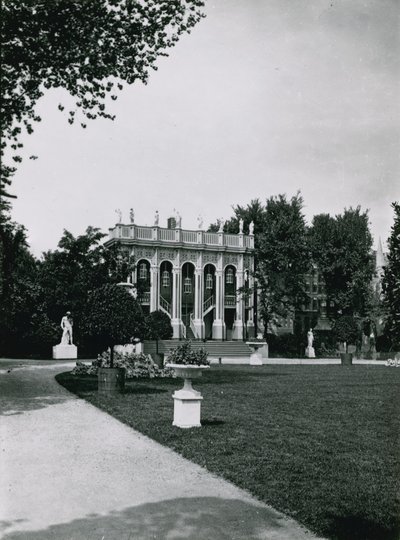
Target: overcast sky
263,97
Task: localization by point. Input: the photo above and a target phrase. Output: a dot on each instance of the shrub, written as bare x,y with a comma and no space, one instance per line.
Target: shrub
346,330
158,326
137,366
186,355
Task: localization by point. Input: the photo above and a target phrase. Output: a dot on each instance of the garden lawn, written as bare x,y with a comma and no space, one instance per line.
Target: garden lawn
319,443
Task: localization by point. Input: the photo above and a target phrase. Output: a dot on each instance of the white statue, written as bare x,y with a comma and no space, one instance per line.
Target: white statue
178,220
310,338
251,228
119,214
221,225
240,226
200,222
156,218
132,215
66,325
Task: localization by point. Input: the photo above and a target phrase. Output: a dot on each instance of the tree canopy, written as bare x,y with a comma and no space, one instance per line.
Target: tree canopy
341,247
88,47
391,281
113,316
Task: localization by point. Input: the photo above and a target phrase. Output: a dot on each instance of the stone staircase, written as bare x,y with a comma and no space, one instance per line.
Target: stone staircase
230,352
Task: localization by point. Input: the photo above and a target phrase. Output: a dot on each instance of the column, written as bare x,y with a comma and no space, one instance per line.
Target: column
198,303
250,321
218,327
237,333
154,288
176,320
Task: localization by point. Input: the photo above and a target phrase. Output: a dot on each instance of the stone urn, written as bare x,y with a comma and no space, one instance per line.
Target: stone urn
256,358
187,401
110,380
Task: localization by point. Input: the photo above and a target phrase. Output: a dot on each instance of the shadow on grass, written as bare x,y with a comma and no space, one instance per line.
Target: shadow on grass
358,527
192,518
143,390
212,422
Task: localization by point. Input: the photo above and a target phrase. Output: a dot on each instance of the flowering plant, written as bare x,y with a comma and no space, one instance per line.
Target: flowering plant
185,355
136,366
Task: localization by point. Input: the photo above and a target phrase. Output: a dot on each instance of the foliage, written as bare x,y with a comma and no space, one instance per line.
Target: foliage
253,212
341,247
25,328
285,346
391,281
282,259
112,316
137,366
318,443
158,326
88,47
346,329
186,355
80,265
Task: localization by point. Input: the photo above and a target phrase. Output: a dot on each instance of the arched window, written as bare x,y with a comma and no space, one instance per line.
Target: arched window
229,276
187,285
142,271
209,281
165,279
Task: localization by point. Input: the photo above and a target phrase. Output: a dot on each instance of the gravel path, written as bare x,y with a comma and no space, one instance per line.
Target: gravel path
71,472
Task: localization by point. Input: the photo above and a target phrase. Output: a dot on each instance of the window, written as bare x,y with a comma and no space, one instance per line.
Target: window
165,279
209,281
187,285
142,271
229,276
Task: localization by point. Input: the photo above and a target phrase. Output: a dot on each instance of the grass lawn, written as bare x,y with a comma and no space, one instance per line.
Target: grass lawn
320,443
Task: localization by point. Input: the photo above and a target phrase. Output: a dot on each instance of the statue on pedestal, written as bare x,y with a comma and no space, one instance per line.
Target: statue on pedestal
310,352
251,228
132,216
240,226
66,349
156,218
66,325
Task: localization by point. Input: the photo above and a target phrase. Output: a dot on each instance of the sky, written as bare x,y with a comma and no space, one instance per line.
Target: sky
263,97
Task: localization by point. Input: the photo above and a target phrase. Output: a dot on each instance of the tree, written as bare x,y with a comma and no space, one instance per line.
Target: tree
158,326
88,47
341,247
80,265
112,317
282,258
391,281
346,330
253,212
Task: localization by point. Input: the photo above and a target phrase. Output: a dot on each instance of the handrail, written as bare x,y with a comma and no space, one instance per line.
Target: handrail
192,326
208,303
165,305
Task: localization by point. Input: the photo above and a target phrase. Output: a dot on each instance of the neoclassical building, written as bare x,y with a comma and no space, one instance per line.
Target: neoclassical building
195,277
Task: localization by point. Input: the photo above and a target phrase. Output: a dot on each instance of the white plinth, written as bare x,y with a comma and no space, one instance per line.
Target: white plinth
256,359
65,352
187,406
310,352
237,332
218,329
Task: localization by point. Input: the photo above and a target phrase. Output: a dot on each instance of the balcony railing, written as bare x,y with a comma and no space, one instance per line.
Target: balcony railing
160,234
230,300
166,306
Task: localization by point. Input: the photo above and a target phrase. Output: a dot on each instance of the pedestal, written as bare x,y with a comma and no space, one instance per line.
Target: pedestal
310,352
199,327
256,359
187,406
65,352
237,333
218,329
177,328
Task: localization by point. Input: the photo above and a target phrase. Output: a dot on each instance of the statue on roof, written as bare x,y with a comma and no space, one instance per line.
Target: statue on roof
131,215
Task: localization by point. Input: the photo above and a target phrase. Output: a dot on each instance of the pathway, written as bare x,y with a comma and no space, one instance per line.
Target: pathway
71,472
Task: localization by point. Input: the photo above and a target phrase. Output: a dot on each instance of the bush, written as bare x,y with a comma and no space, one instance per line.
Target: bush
285,345
137,366
184,354
346,330
158,326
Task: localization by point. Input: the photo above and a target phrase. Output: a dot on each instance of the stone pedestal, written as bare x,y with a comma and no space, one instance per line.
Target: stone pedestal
218,329
199,327
187,407
256,359
187,401
177,328
310,352
237,333
65,352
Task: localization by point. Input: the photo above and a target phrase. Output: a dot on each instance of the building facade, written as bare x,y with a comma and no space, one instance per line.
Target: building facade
198,278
